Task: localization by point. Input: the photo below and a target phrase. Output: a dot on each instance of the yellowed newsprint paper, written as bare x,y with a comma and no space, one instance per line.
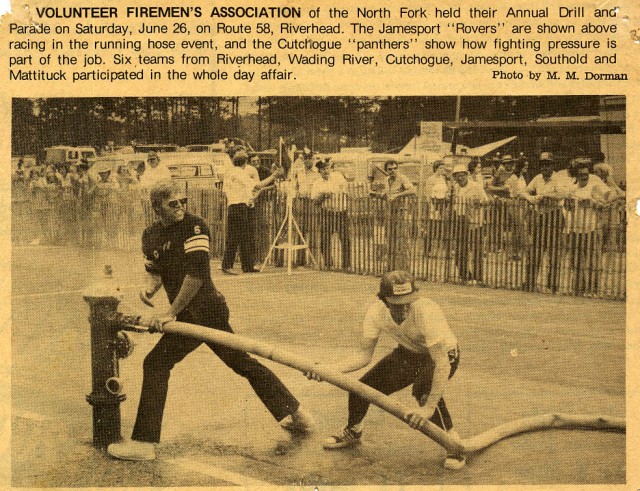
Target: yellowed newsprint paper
413,202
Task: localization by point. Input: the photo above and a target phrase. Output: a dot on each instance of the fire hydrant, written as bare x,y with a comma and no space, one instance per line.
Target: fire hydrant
107,346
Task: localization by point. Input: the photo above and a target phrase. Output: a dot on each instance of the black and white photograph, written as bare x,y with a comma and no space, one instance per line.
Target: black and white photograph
318,291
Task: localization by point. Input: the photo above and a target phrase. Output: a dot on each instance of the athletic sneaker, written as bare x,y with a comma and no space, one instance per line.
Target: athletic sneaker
451,461
298,422
346,438
454,462
132,450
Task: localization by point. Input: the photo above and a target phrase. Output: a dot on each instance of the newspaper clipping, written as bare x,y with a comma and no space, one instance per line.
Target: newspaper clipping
309,246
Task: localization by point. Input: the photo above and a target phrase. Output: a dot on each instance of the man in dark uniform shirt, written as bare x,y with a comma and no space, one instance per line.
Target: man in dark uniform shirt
176,249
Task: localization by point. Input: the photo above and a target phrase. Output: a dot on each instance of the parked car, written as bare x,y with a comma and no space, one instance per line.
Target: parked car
192,169
156,147
64,155
213,148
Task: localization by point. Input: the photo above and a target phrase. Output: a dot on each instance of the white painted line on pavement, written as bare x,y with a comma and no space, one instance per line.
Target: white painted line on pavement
29,415
218,473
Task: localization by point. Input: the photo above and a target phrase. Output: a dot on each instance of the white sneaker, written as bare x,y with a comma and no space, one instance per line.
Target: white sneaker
454,462
132,450
298,422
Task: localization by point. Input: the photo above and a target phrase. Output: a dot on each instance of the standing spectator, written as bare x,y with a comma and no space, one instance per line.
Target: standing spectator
604,172
299,163
124,179
239,188
154,171
498,185
105,206
19,176
613,217
475,173
176,250
252,171
583,235
304,179
397,188
305,175
468,201
426,357
516,211
397,184
42,204
545,192
329,192
437,190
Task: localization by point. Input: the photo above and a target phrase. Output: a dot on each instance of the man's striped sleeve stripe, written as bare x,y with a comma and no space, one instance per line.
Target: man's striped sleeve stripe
197,243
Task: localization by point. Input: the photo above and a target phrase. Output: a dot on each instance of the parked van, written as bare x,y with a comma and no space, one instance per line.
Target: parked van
62,155
192,169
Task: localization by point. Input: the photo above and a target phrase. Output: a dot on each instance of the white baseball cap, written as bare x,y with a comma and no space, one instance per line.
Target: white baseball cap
460,168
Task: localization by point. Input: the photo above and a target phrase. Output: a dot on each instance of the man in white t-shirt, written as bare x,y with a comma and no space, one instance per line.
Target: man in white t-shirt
469,199
330,193
546,192
239,186
582,229
427,356
305,176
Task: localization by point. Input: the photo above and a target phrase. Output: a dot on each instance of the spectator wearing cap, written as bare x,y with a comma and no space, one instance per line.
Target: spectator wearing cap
468,211
581,227
545,191
154,171
329,192
239,187
498,185
425,358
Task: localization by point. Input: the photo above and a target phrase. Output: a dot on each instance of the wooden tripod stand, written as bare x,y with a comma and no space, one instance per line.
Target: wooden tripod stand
291,223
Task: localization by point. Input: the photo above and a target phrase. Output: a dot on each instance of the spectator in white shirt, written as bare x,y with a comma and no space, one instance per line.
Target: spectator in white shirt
546,194
329,192
239,186
582,229
154,171
437,190
468,201
305,176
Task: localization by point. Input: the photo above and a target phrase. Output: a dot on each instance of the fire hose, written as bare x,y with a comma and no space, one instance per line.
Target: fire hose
386,403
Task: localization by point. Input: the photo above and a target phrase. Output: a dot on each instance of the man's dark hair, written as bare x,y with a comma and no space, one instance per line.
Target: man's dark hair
388,163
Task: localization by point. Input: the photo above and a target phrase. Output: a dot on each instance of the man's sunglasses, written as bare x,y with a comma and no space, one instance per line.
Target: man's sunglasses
175,203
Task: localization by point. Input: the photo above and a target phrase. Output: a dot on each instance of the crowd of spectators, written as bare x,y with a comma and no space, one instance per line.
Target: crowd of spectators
529,218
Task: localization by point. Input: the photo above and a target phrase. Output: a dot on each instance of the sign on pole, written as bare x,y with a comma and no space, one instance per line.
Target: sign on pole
431,135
